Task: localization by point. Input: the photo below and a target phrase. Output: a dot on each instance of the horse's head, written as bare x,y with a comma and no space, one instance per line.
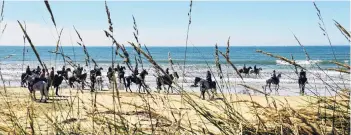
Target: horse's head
259,68
197,80
249,68
30,78
176,75
171,76
279,75
144,72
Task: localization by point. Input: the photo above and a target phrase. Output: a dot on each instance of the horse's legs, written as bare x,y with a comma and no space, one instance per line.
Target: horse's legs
277,89
169,86
57,90
208,93
269,85
139,87
303,89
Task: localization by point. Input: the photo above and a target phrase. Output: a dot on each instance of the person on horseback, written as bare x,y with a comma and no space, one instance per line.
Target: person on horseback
38,70
63,68
52,73
302,74
244,67
28,72
255,68
167,72
98,71
208,77
274,76
135,72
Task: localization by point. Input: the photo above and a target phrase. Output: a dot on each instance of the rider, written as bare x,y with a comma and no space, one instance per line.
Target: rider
52,73
274,76
208,76
28,72
167,72
302,74
135,72
255,68
244,67
63,68
38,70
98,71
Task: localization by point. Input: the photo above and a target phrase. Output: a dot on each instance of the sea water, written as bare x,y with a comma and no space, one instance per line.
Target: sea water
198,60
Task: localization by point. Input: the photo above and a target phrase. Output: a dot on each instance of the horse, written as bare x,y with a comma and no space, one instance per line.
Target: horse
205,86
95,77
64,74
164,80
256,71
245,70
79,78
272,81
24,76
36,84
302,82
137,80
23,80
57,82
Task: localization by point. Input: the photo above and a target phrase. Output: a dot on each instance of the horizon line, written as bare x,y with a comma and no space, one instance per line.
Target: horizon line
173,45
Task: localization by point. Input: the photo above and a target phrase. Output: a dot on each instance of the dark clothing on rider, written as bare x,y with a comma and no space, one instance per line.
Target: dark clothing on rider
52,74
208,77
38,71
98,72
135,72
28,72
255,68
302,74
167,72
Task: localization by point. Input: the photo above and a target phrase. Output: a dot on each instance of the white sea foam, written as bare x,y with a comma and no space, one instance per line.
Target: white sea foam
300,62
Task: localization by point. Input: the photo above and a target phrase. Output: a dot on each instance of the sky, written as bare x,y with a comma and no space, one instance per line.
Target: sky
164,23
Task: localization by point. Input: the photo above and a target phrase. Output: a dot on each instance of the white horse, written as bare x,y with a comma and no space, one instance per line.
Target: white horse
38,86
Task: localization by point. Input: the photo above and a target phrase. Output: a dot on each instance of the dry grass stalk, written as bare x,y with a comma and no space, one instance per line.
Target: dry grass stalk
343,30
109,17
32,45
49,9
281,58
304,50
339,70
2,10
87,58
58,40
341,64
218,64
226,56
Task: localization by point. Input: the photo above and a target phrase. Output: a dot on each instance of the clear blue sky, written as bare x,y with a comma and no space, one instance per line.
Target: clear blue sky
165,23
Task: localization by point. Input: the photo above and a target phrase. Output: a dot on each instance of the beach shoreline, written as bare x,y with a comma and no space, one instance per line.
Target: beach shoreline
134,102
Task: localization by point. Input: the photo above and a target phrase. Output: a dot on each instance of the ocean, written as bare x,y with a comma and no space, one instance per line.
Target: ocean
198,60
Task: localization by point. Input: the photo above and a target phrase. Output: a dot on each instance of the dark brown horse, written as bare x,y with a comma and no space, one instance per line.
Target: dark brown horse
140,81
245,71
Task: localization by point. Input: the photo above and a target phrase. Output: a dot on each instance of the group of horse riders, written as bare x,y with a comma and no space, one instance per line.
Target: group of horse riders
95,74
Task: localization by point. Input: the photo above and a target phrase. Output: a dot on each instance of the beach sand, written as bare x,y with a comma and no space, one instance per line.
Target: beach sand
75,110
